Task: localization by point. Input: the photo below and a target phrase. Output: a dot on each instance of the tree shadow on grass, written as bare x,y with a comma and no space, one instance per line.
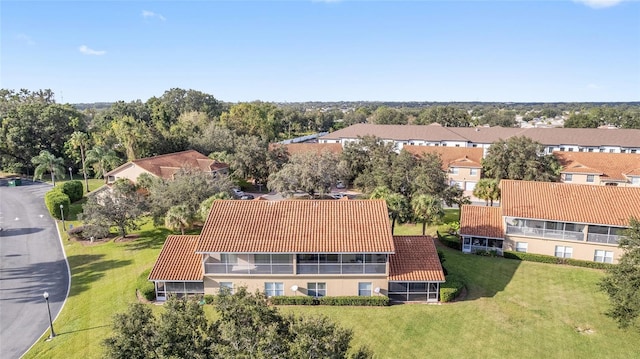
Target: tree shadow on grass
149,239
88,268
483,276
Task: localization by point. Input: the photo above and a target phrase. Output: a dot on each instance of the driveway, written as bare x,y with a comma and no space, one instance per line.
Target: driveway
31,262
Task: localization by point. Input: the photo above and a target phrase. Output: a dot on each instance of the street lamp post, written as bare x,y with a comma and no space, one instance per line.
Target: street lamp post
62,215
46,298
70,174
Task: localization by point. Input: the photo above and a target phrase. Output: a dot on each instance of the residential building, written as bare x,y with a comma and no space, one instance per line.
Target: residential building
566,220
316,248
608,169
462,164
165,166
553,139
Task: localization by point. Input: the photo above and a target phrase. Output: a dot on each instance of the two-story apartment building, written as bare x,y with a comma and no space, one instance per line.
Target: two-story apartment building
295,247
566,220
462,164
165,166
554,139
604,169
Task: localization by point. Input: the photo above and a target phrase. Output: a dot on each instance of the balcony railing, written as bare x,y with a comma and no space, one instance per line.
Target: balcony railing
603,238
545,233
356,268
222,268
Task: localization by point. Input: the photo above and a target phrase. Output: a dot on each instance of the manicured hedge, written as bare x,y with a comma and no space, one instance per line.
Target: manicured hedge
541,258
451,288
450,240
293,300
73,189
375,301
53,199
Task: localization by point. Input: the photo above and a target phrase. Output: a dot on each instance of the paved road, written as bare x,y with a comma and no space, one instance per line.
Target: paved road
31,262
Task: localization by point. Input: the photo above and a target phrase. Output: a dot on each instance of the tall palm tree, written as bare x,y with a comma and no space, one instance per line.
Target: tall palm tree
79,140
427,209
47,162
103,160
487,189
179,217
396,203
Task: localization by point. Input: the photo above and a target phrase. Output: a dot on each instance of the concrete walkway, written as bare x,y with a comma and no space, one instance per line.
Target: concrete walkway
31,262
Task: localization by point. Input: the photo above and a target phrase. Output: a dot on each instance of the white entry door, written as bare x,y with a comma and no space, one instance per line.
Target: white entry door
469,186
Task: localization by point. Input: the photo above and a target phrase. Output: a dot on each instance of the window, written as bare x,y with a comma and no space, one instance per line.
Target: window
564,251
454,170
364,289
570,149
317,289
635,180
522,247
111,179
568,177
590,178
228,286
473,171
591,150
603,256
273,288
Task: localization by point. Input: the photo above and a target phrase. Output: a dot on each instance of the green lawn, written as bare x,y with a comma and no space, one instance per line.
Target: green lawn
512,309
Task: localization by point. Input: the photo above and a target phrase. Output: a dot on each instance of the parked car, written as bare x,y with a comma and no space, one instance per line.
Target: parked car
237,192
247,196
338,195
340,184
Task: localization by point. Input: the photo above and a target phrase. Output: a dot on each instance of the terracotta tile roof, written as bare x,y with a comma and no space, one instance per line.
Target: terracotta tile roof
608,205
318,148
593,137
433,132
416,259
481,221
451,156
166,165
296,226
178,260
611,166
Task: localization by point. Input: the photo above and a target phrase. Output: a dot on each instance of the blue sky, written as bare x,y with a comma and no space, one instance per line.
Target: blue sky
289,51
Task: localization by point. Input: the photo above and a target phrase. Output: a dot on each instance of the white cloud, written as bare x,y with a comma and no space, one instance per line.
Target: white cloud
26,38
89,51
150,14
599,4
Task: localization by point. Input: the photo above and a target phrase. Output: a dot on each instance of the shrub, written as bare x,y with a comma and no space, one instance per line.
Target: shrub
146,287
450,289
450,240
541,258
53,199
209,298
375,301
73,189
293,300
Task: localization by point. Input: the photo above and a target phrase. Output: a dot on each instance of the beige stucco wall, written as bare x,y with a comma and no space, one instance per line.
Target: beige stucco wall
130,172
336,285
581,250
579,178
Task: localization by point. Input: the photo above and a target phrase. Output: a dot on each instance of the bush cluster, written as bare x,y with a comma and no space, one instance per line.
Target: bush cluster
450,240
53,199
146,288
541,258
293,300
450,289
73,189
